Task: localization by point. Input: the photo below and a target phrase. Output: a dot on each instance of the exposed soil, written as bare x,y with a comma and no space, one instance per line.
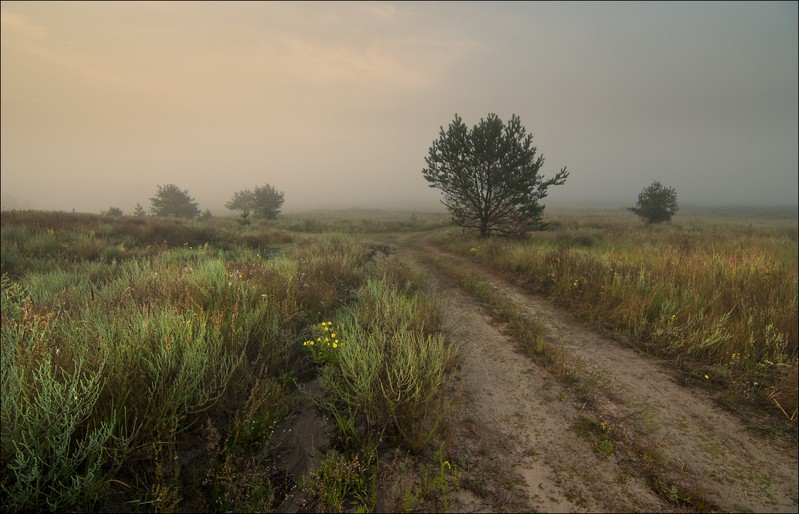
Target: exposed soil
301,440
525,441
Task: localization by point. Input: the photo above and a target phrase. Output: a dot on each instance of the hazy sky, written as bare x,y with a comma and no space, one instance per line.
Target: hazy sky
336,104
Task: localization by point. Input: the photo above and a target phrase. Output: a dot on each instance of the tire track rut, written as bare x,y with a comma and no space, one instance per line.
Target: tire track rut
518,435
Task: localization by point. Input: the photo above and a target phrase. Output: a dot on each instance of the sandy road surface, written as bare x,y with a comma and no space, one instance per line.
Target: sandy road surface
524,443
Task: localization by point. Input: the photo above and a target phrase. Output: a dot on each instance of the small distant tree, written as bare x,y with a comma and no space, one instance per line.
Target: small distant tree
206,215
489,176
139,210
172,201
656,203
113,211
267,202
264,202
242,201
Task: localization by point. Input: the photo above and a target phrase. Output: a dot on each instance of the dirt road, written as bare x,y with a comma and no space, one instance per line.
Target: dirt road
524,442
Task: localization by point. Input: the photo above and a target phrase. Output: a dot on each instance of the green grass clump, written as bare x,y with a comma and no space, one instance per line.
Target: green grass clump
58,460
384,364
390,365
339,483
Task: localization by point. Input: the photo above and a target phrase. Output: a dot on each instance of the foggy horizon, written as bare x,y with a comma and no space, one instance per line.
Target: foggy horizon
336,104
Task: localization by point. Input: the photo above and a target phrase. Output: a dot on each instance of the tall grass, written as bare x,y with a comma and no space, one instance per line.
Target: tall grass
718,298
384,365
361,221
391,365
384,361
107,363
47,241
133,359
132,348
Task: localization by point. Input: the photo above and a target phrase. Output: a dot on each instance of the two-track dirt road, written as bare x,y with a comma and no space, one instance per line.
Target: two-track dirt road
524,442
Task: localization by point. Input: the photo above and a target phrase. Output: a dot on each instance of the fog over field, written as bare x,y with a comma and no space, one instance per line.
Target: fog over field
336,104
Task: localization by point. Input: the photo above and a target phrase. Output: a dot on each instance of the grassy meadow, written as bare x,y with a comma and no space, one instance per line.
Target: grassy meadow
714,291
146,363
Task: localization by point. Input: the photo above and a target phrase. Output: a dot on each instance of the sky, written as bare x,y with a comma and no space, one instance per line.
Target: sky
336,104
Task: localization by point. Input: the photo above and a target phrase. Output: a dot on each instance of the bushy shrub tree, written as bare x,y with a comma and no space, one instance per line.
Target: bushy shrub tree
656,203
264,202
170,200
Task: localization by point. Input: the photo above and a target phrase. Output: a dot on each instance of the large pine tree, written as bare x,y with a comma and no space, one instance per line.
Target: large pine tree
489,176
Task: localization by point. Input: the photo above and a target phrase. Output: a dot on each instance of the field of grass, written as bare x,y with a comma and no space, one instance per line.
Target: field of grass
146,362
362,221
715,292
